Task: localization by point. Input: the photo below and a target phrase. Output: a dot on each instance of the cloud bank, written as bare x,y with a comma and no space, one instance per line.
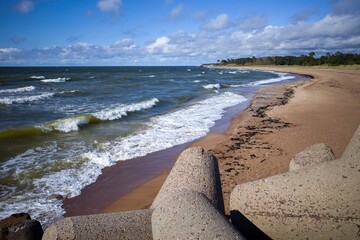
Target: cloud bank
218,38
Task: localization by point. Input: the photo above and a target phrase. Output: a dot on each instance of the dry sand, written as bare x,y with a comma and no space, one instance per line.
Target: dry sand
281,121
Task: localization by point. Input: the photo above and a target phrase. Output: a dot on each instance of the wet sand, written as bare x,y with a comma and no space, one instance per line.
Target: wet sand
281,121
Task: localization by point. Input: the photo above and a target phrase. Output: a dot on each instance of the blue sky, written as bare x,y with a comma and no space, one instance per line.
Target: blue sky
171,32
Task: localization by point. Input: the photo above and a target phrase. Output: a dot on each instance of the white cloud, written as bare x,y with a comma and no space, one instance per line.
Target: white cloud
220,22
161,45
176,12
25,6
111,6
331,33
124,44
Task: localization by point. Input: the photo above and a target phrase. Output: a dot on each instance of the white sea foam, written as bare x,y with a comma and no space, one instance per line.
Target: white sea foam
212,86
66,124
25,99
37,202
55,80
238,71
70,92
172,129
162,132
37,77
197,81
281,77
151,76
15,90
74,123
123,110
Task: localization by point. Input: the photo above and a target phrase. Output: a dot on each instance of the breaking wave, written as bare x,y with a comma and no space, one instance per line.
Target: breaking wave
37,77
54,80
26,99
16,90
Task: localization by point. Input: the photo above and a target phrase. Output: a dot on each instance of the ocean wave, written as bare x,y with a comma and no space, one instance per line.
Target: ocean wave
212,86
216,86
71,92
76,122
26,99
48,177
37,77
123,110
238,71
281,77
30,169
67,124
162,132
55,80
171,129
21,89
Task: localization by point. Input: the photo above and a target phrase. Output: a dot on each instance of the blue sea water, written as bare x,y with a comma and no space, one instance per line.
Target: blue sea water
59,126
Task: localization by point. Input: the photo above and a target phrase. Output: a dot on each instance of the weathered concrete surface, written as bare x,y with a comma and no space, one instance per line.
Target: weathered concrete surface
352,151
195,169
311,156
187,214
121,225
321,202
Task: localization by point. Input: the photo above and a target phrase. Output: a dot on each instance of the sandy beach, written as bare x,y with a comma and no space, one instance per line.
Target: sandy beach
281,121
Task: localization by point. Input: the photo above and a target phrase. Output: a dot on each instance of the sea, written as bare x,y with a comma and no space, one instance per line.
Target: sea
60,126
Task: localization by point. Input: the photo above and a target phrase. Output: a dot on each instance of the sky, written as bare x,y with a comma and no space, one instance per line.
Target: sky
171,32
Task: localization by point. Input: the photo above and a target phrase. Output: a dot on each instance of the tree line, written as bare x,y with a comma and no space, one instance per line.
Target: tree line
335,59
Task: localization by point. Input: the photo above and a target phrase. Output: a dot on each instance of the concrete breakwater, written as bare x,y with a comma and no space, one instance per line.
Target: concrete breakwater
319,198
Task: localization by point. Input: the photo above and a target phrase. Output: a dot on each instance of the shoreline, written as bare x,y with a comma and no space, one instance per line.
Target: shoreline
235,167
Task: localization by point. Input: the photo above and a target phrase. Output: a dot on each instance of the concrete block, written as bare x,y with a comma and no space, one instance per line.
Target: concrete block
311,156
197,170
352,151
187,214
120,225
321,202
